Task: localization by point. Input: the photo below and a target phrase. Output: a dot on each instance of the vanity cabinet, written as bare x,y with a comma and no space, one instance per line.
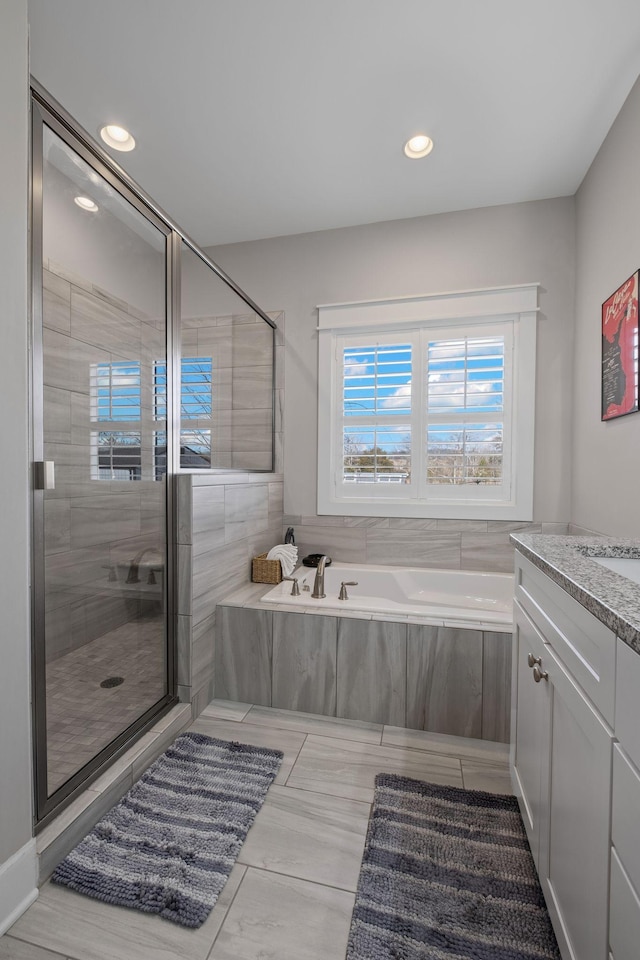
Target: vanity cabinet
562,755
531,729
624,918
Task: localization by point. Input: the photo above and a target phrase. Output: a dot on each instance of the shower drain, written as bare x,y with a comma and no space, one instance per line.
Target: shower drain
112,682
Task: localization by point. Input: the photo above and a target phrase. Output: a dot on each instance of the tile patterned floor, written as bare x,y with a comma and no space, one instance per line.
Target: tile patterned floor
291,893
82,716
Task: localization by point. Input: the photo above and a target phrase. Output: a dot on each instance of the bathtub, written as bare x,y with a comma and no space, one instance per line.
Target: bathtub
462,597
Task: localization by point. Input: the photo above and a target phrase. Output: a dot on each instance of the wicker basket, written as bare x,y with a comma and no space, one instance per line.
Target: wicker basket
265,571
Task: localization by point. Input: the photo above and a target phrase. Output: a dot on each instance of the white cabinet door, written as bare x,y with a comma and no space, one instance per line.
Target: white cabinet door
533,703
574,850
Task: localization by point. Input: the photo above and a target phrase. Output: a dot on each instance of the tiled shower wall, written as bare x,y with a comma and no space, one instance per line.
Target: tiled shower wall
241,351
224,521
449,544
93,528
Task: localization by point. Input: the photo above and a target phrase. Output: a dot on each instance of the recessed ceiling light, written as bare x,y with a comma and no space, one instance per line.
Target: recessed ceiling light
417,147
85,203
117,137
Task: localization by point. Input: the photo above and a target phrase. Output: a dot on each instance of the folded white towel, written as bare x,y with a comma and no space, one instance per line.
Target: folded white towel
287,555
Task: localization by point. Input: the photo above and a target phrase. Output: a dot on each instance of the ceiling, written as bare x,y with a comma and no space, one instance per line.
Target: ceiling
259,118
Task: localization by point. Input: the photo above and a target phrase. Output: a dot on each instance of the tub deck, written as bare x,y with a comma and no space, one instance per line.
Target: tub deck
437,597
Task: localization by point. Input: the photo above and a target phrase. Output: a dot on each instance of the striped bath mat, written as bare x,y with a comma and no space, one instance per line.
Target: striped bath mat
447,873
169,845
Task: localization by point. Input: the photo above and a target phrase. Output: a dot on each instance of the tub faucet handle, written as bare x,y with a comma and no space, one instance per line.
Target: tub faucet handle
343,595
295,589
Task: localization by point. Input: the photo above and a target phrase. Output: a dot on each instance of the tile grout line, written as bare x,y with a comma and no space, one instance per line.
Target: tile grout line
226,914
290,876
314,733
449,756
30,943
316,793
401,749
243,718
393,746
306,732
293,765
337,796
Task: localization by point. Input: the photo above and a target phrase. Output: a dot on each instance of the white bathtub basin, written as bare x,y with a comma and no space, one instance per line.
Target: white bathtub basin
438,595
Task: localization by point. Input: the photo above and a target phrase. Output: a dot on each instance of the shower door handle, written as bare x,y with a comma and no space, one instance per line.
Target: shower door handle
44,475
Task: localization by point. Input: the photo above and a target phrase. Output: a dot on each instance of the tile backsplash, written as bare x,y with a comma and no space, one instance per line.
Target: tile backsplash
448,544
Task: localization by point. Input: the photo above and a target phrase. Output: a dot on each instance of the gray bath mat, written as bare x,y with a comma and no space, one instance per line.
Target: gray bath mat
447,873
169,845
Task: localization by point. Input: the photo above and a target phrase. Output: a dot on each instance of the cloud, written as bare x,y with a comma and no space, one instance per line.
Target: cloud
451,397
357,367
454,394
401,398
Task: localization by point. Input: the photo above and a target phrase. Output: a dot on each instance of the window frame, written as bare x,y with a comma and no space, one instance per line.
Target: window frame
454,314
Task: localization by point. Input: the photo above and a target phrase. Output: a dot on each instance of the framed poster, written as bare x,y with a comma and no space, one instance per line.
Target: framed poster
620,351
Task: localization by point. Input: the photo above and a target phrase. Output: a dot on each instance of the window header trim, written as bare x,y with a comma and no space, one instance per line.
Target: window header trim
462,305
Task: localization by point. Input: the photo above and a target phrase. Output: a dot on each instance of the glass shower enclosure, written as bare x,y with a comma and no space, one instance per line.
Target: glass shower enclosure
123,398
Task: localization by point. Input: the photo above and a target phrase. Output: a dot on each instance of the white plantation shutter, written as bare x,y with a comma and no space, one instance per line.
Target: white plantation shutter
196,408
428,417
115,392
468,384
376,415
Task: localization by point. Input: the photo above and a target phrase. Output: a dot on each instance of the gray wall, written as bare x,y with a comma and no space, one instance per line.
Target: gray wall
476,248
606,456
15,752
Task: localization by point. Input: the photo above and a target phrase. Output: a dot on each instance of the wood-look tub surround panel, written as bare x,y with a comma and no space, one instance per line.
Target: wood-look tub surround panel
442,679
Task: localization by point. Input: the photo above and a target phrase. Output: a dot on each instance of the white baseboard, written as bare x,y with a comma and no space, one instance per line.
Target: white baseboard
18,884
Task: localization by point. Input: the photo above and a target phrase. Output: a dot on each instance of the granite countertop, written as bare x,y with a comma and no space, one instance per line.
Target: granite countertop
612,598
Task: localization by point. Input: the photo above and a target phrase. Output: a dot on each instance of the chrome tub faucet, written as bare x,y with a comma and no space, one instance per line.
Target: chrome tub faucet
318,584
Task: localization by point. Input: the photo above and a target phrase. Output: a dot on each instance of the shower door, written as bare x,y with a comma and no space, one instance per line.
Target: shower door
101,505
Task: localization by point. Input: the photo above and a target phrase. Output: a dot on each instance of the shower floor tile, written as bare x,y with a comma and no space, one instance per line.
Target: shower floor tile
290,894
82,716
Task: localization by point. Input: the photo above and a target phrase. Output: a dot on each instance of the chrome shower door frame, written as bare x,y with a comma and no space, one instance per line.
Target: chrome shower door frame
45,111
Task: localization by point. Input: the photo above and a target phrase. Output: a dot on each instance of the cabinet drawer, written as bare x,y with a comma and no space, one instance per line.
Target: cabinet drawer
583,643
624,916
627,701
625,832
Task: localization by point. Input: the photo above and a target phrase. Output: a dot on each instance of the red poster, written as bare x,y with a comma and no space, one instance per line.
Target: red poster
620,351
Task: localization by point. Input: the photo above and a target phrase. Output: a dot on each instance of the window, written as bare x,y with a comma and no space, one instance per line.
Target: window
196,408
129,440
426,406
116,414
